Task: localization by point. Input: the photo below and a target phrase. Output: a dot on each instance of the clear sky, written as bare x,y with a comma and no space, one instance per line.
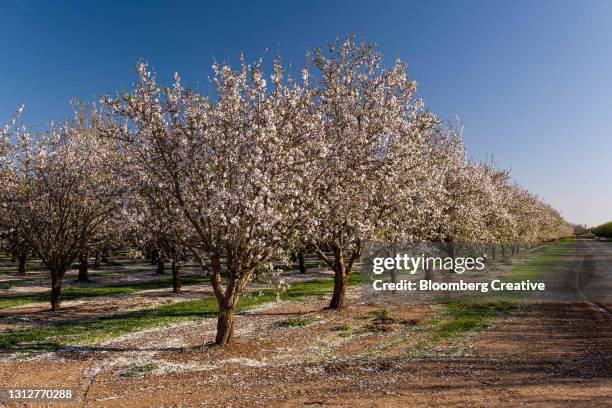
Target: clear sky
531,80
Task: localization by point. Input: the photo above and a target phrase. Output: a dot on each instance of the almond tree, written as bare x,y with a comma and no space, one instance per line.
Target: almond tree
13,242
481,206
5,134
423,214
467,201
551,226
61,190
109,235
370,143
6,177
500,221
158,220
10,238
525,209
235,166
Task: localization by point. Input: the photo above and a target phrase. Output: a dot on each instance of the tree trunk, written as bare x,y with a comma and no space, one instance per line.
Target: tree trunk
226,301
176,277
57,276
161,269
154,256
338,300
84,267
301,261
394,251
493,252
227,307
503,251
452,252
342,270
225,326
22,264
97,261
483,253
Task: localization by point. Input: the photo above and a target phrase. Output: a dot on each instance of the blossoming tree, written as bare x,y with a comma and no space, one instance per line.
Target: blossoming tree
370,143
60,191
235,166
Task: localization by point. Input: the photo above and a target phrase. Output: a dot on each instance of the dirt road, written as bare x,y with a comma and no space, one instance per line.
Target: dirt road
594,272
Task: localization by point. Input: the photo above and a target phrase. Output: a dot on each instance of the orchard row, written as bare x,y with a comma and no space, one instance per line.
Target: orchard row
264,166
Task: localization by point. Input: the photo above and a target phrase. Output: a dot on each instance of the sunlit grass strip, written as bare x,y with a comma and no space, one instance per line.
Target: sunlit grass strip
460,316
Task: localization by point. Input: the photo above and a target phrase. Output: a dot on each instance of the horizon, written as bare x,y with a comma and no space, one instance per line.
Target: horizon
532,89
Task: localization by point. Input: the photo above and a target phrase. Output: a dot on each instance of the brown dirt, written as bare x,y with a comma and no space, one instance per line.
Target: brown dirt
553,355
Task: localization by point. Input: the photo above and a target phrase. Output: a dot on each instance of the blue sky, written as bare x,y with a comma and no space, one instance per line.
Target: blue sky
531,80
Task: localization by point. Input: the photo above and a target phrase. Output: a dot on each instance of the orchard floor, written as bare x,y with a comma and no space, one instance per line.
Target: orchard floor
545,353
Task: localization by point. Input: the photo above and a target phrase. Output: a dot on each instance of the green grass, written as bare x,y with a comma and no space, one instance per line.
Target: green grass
18,282
297,321
51,336
72,293
543,262
459,317
468,314
137,370
316,287
55,335
343,327
344,330
14,269
382,313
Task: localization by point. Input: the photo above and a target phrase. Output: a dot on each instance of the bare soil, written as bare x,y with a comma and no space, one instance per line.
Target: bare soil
553,355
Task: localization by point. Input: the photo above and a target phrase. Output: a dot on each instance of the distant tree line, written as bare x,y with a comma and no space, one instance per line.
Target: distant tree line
603,230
